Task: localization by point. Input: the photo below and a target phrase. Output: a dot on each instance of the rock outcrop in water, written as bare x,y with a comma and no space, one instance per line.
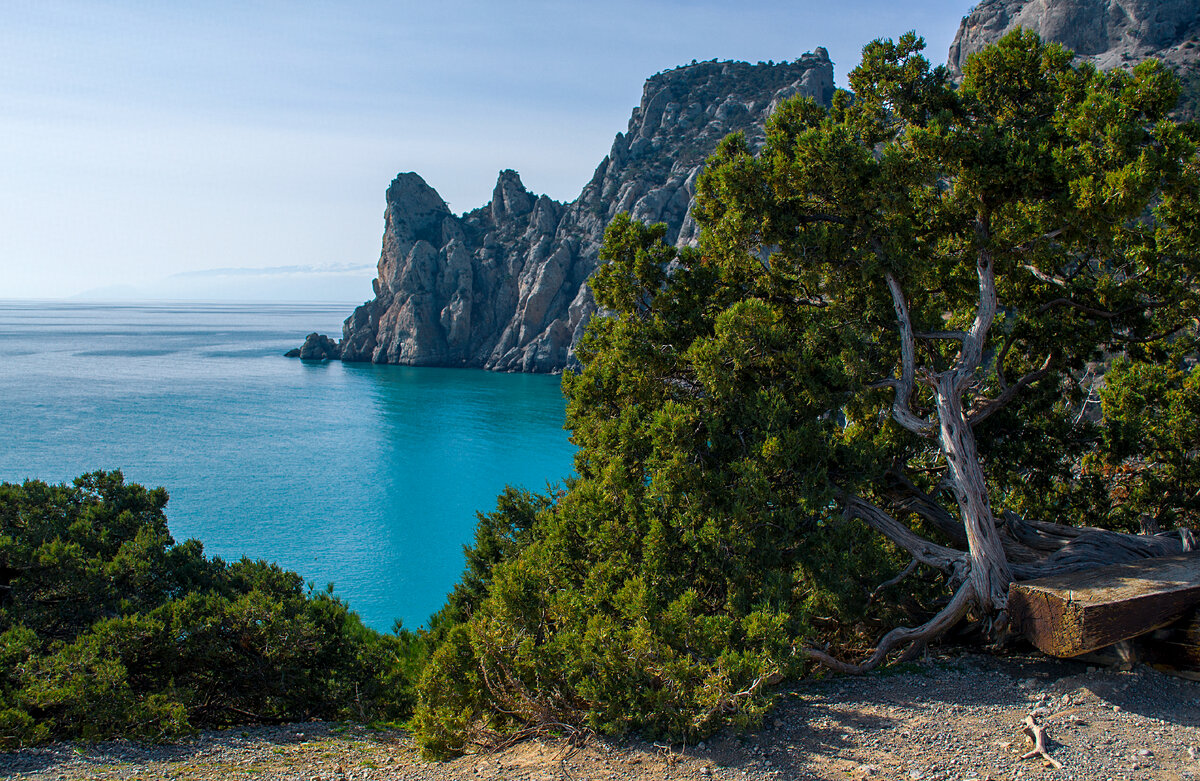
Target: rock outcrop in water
502,287
1109,33
316,347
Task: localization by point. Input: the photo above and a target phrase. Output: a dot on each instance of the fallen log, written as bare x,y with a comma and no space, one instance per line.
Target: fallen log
1071,614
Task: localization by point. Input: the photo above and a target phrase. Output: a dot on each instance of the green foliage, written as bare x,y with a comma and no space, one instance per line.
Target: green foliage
1149,448
731,399
107,627
499,535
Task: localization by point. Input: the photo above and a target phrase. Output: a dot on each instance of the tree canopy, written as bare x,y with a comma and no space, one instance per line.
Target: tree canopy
938,330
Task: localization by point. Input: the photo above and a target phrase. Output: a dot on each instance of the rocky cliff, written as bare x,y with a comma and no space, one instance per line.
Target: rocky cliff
1109,33
502,287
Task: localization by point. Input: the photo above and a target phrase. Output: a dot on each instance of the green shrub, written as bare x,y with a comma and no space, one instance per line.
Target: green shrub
108,627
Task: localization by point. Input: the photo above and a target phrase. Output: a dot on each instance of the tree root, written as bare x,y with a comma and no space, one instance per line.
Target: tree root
1037,733
1024,550
914,637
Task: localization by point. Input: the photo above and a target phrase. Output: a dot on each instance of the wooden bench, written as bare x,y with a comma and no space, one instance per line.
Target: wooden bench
1074,614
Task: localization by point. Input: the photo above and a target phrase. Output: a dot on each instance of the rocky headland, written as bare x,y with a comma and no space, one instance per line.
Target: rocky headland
502,287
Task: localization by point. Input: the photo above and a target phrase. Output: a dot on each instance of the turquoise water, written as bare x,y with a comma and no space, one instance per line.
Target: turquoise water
365,476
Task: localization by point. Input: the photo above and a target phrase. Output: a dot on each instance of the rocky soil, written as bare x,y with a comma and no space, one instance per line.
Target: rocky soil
952,718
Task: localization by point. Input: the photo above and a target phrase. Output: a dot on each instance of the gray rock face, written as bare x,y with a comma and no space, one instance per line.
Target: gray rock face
1110,33
503,287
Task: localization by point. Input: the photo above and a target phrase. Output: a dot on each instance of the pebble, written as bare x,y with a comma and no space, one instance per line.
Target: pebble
956,722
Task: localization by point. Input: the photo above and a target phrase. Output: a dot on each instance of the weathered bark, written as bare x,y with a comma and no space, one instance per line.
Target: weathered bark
989,566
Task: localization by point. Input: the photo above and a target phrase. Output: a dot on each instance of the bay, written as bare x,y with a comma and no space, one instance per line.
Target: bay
365,476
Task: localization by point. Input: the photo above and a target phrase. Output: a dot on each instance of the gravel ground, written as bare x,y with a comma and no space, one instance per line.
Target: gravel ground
945,719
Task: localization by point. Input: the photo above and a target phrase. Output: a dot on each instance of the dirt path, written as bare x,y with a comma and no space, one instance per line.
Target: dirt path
951,719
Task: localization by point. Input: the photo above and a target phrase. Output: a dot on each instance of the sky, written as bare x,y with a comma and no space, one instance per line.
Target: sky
241,150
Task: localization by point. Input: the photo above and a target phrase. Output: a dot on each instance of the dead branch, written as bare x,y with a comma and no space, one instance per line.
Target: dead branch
949,335
921,635
948,560
910,569
902,404
1049,279
903,493
1054,234
971,354
1103,314
1001,356
984,411
1037,733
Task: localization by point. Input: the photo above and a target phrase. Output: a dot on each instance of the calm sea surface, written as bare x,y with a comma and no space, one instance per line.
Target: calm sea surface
365,476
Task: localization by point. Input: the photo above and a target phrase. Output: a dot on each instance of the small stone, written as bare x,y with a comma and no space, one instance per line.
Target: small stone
1145,752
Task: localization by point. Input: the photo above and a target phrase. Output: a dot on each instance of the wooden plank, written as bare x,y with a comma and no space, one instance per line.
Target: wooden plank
1068,615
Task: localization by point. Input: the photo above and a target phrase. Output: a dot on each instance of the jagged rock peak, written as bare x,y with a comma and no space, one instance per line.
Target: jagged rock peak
503,287
417,207
1110,33
510,198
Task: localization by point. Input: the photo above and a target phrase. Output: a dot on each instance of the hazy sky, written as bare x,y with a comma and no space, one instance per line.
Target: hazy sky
152,148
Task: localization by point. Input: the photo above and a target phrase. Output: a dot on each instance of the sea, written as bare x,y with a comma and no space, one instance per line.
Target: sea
368,477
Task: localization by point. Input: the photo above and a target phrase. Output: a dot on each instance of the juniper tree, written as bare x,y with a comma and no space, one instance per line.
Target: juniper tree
877,363
970,250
